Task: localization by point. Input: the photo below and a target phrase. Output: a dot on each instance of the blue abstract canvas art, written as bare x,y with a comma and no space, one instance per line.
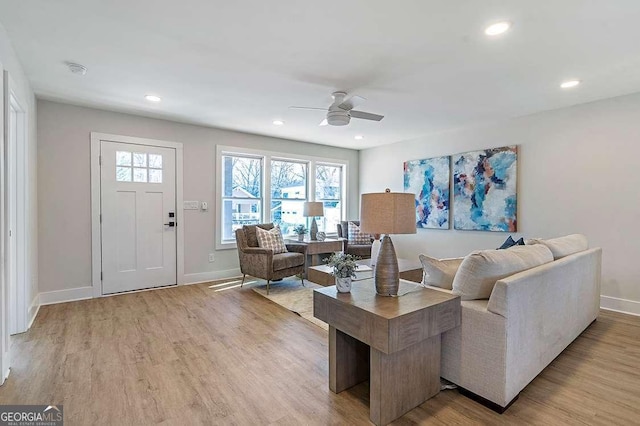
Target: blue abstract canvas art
429,181
484,189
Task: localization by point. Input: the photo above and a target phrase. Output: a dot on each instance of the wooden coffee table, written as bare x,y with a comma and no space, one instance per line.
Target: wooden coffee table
392,341
410,270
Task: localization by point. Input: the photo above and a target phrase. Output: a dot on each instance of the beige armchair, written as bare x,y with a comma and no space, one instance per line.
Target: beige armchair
363,251
262,263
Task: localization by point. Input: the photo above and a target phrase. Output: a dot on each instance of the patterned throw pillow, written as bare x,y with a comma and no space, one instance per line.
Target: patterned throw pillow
271,239
357,237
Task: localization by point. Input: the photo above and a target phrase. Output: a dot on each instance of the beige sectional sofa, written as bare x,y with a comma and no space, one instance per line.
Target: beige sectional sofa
504,341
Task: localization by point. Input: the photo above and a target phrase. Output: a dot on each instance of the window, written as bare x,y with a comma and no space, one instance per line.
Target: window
260,187
138,167
241,193
288,194
329,191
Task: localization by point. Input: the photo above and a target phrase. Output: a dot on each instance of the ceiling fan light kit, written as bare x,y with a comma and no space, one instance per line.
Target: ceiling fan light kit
341,110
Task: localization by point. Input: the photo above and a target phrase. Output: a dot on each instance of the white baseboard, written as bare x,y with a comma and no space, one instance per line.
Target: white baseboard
203,277
33,310
616,304
61,296
6,366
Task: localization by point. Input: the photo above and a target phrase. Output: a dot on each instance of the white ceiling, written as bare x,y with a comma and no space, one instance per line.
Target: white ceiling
424,64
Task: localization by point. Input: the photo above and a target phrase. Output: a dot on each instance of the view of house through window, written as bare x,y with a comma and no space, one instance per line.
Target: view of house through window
288,194
252,183
329,191
241,193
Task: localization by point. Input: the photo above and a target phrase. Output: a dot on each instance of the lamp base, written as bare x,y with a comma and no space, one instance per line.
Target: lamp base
313,233
386,272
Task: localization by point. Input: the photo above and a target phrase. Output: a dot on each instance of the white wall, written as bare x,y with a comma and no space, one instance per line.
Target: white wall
23,91
64,187
578,173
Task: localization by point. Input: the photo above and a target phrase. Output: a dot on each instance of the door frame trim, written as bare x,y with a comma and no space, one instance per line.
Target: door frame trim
96,238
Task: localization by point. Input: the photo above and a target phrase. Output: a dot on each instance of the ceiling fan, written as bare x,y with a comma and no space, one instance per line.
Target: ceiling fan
341,110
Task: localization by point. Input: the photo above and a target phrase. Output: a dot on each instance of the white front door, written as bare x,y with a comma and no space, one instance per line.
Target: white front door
138,216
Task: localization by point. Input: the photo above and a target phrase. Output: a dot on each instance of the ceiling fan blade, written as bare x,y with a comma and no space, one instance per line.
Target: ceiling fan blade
366,115
309,108
324,122
352,102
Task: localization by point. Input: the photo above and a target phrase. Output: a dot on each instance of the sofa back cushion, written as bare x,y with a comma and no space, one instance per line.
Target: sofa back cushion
439,272
480,270
271,239
250,233
563,246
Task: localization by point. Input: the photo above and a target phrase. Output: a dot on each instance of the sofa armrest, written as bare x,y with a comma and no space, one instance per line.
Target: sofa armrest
552,284
256,250
545,308
256,261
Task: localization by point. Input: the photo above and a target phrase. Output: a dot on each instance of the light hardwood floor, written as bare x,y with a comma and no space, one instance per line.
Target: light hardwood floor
191,355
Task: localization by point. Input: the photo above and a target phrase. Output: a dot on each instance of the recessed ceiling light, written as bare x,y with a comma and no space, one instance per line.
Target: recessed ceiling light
497,28
358,137
153,98
569,84
278,122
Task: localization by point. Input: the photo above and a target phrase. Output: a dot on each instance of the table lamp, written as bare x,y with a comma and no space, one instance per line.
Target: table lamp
313,209
387,213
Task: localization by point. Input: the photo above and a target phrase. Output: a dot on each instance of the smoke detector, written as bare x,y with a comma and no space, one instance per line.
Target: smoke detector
77,68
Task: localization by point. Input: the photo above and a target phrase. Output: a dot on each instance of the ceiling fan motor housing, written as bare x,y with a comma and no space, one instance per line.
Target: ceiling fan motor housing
338,118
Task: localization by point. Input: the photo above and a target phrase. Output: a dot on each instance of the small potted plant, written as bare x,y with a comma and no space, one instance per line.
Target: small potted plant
301,230
344,269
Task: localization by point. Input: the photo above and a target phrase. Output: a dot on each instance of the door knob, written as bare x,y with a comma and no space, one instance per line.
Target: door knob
170,224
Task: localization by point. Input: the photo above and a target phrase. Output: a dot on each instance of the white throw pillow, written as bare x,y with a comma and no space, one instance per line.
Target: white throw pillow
563,246
271,239
439,272
480,270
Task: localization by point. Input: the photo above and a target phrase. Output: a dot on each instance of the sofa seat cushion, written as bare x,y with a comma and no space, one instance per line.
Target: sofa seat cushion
287,260
439,272
480,270
563,246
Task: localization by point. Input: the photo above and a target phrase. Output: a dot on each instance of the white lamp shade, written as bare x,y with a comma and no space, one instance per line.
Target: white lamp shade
312,209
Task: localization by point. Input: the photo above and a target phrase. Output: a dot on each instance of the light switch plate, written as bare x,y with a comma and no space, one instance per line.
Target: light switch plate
191,205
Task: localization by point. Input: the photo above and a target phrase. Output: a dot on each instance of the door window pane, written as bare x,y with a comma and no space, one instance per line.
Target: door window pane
155,176
139,159
155,161
139,175
123,158
123,174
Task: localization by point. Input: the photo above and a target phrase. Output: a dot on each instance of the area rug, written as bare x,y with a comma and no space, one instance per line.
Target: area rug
289,293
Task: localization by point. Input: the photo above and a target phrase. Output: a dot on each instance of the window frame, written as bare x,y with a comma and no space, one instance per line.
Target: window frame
267,157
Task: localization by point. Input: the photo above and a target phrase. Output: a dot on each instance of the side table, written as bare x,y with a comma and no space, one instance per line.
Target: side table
318,250
392,341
